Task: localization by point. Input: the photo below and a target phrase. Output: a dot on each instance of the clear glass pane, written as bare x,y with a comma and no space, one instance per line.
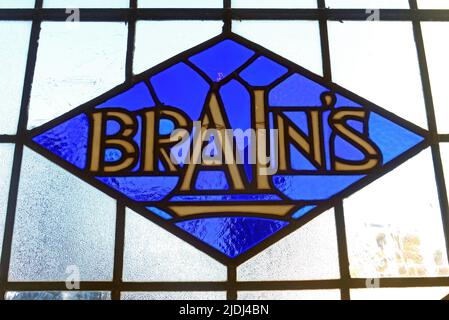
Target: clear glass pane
86,3
157,41
63,226
6,156
17,4
153,254
14,41
437,52
308,253
433,4
435,293
298,41
394,226
378,61
372,4
274,3
180,4
290,295
58,295
181,295
75,63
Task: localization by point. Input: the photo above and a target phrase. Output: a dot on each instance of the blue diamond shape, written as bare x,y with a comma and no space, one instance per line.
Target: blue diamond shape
233,67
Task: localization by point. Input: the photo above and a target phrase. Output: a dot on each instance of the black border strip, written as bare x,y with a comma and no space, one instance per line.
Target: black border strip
124,14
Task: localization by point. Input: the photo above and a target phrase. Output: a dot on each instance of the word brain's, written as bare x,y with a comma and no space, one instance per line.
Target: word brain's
228,145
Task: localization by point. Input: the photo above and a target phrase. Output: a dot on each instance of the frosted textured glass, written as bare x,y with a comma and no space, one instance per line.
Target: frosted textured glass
378,61
61,222
444,147
373,4
298,41
173,295
434,293
17,4
14,40
86,3
75,63
274,3
6,156
437,52
308,253
394,226
153,254
180,4
433,4
290,295
156,41
57,295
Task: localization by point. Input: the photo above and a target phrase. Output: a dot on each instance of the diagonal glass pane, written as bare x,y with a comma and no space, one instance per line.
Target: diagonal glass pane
64,228
58,295
157,41
289,295
298,41
6,156
378,60
399,232
153,254
14,41
74,58
436,293
308,253
437,52
178,295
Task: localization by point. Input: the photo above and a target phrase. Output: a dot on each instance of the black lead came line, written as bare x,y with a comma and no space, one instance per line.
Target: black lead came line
124,14
18,153
432,124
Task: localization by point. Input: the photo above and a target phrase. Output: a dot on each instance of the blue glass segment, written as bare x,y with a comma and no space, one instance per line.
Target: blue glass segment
166,126
142,188
347,151
112,127
137,139
356,125
232,235
296,91
313,187
345,102
181,87
262,72
136,98
112,155
299,161
68,140
327,134
299,119
222,59
391,138
211,180
237,104
226,197
301,212
161,213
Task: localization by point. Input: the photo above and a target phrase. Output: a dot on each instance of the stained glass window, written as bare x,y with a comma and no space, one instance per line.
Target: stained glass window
94,191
